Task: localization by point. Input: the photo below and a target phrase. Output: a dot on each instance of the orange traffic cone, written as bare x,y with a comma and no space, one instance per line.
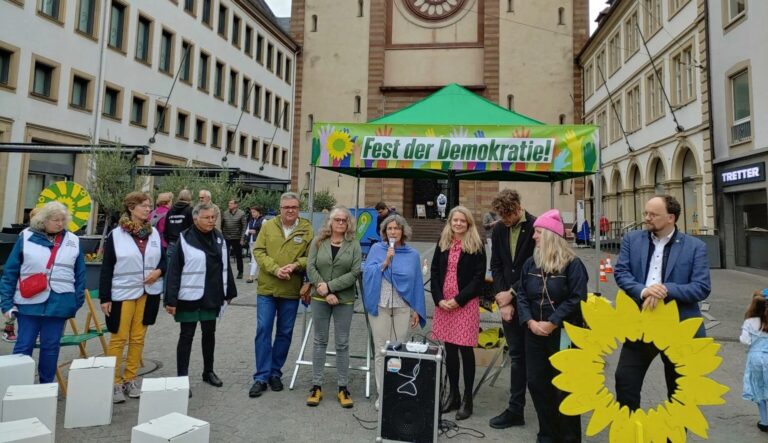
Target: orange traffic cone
603,278
608,266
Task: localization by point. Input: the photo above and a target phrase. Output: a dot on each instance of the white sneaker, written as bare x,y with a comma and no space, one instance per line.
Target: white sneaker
117,394
133,389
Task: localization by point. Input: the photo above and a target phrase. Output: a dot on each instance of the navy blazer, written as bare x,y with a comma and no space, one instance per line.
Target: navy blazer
506,271
686,271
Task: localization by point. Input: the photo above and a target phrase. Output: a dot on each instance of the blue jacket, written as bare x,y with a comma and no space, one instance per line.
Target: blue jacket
685,269
63,305
566,290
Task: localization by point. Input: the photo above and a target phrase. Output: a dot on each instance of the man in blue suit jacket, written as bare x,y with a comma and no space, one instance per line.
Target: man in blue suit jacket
658,265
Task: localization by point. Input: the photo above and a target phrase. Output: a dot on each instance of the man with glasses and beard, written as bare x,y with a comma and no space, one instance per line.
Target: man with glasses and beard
655,266
281,253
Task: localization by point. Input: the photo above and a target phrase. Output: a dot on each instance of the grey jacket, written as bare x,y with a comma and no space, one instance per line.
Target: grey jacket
340,274
233,225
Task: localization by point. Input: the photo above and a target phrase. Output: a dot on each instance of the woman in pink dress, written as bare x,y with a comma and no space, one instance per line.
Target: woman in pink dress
458,273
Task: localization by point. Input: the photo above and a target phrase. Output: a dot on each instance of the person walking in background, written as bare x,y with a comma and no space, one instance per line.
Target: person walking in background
754,334
46,247
233,223
513,244
251,232
457,279
553,283
179,218
655,266
281,251
442,203
333,267
383,212
130,287
393,289
204,196
158,217
199,282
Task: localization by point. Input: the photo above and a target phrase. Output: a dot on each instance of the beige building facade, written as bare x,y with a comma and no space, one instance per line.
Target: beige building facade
365,59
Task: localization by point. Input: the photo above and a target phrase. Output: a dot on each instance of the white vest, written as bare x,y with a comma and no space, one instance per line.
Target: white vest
192,283
61,277
131,269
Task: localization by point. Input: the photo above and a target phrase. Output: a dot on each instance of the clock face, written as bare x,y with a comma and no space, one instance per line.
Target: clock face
434,9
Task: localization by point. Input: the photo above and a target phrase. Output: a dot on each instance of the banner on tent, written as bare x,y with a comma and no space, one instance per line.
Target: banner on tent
469,148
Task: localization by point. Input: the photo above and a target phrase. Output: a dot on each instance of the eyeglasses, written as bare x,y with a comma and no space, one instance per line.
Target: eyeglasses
290,208
340,220
652,215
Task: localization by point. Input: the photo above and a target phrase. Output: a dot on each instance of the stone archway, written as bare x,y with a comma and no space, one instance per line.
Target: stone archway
618,206
635,187
686,185
656,176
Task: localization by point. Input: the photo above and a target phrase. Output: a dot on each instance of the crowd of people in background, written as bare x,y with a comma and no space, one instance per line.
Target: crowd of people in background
179,255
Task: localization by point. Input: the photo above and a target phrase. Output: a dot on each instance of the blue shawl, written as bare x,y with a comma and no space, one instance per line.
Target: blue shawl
404,273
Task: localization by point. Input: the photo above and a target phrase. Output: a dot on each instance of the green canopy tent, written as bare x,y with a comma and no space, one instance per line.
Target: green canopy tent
455,134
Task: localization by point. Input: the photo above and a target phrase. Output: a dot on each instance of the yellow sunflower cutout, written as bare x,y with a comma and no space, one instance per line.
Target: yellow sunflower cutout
582,371
73,196
339,145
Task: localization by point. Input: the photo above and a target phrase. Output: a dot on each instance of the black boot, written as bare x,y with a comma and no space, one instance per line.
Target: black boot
453,403
465,411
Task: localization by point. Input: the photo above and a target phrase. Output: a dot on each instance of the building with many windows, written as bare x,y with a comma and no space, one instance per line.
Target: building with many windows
231,105
645,86
739,69
364,59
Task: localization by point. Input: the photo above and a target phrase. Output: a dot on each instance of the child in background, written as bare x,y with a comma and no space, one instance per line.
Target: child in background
754,333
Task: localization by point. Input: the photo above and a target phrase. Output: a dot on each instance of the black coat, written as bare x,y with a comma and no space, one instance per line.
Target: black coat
565,290
470,275
506,272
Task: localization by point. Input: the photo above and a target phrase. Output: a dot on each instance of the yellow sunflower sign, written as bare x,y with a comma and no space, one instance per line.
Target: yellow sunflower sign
582,371
73,196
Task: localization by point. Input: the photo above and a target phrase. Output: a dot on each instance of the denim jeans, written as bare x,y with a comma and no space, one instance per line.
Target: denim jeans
50,330
270,356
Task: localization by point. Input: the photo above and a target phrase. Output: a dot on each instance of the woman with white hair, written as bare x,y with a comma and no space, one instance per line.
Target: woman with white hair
333,266
43,284
393,288
553,283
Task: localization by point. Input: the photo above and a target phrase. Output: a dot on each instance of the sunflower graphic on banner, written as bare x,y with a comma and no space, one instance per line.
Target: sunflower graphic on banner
73,196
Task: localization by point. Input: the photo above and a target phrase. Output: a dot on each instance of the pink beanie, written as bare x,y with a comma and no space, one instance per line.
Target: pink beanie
550,220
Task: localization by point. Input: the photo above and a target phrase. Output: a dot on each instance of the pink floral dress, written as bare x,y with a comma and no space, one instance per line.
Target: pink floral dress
459,326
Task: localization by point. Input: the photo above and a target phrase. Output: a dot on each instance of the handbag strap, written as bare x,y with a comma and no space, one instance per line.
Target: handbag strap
56,244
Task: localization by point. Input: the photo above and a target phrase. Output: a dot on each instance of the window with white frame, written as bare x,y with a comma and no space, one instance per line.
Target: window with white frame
600,68
616,118
683,76
602,123
654,98
736,8
614,53
633,108
589,80
652,18
631,37
741,128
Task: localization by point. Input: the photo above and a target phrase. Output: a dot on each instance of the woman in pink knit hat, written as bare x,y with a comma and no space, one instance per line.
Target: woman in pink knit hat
553,283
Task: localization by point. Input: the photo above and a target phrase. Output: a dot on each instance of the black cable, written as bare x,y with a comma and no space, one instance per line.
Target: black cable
450,429
678,127
161,120
361,422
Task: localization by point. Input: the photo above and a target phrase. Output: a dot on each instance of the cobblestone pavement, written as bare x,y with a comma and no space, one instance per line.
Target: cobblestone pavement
283,416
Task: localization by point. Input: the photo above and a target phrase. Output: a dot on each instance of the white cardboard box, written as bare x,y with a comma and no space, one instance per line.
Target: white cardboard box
28,430
15,369
89,392
174,427
32,401
161,396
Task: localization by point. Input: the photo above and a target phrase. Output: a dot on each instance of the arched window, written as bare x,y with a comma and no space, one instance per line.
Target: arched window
357,104
359,8
314,23
658,179
619,204
560,16
510,102
636,197
561,119
690,211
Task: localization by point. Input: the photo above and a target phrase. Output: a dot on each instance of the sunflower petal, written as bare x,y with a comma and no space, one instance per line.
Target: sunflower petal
583,382
577,358
602,417
700,391
587,340
627,323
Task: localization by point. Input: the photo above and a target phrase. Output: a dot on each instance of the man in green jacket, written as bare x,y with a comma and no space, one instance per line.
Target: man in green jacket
281,253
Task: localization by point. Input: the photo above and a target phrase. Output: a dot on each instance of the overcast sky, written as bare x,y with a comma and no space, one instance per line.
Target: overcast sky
282,8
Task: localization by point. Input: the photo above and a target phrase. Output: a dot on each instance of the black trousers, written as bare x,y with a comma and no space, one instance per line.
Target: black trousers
554,427
515,336
234,244
634,360
184,347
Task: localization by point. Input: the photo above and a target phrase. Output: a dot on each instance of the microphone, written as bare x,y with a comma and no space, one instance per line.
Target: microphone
391,242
